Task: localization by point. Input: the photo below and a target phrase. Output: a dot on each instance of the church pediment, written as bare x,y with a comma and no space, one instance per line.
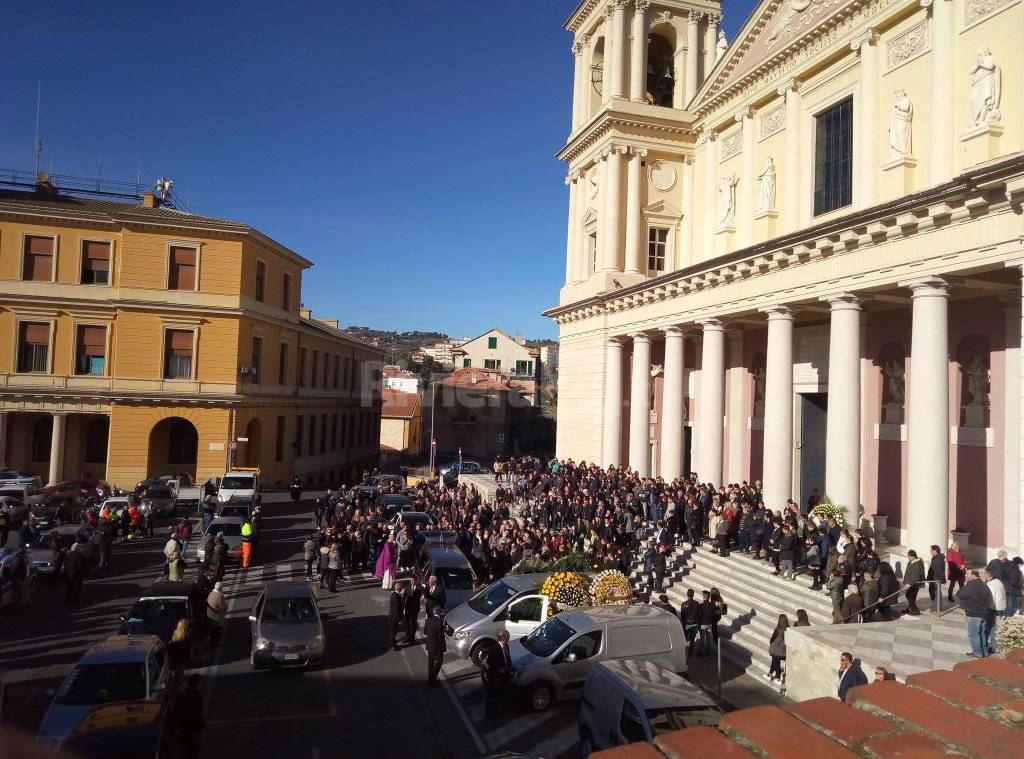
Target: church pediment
774,26
661,208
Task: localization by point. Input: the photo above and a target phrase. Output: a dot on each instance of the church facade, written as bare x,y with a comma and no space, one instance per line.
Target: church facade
797,257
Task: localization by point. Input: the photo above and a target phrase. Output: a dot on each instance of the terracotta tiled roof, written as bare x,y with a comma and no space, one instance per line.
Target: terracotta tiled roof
394,371
973,710
479,379
399,404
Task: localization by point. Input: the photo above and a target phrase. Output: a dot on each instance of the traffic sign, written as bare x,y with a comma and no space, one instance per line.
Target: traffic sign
232,446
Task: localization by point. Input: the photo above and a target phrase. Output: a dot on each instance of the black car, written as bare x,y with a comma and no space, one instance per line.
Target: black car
159,610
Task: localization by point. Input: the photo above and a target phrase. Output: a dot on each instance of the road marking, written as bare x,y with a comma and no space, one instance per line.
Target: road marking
481,744
284,569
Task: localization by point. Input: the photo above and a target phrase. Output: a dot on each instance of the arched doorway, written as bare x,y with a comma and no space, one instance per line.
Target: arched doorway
250,452
96,434
173,447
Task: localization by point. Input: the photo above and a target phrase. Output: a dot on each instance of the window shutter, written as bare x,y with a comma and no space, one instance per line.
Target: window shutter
40,246
97,254
35,333
180,340
183,256
93,337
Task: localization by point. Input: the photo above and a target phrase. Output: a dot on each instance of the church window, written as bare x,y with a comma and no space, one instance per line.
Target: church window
833,158
657,244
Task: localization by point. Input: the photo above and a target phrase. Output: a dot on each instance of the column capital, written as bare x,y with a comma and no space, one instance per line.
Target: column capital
573,176
746,112
615,341
60,414
695,17
580,44
620,149
777,312
790,84
706,135
673,331
842,301
714,18
870,37
640,337
927,287
711,325
642,5
639,152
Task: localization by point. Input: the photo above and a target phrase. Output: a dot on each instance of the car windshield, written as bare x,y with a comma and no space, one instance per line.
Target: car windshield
548,638
454,578
289,610
236,483
103,684
230,529
158,493
669,720
234,511
491,598
158,610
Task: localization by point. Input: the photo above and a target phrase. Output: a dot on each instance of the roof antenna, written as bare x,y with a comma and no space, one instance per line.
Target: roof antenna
99,171
39,141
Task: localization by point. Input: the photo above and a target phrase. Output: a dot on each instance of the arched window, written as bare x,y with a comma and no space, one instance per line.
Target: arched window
42,431
661,73
96,435
183,443
595,88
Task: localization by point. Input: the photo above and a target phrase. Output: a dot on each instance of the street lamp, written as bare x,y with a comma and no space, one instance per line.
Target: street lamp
433,442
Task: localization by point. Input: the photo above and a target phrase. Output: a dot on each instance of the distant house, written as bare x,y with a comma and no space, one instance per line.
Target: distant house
497,351
396,378
401,424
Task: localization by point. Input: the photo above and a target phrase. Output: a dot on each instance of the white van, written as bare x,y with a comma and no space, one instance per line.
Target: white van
629,701
553,661
240,483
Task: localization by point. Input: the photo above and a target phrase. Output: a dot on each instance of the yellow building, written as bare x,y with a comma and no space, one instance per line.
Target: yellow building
138,340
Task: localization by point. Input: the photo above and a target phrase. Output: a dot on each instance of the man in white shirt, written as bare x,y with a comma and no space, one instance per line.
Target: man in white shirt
998,606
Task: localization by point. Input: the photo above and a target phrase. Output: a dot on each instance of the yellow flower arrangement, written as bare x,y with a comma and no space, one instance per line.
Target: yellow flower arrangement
611,587
565,589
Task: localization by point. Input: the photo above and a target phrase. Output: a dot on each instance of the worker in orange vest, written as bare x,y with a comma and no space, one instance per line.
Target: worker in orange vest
246,544
133,520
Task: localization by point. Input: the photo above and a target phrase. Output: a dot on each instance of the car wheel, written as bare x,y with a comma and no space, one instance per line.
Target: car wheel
479,651
252,661
540,697
586,745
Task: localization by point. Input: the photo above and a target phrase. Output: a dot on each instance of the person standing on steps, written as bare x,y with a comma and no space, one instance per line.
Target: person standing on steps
976,603
936,572
689,616
850,675
777,649
913,578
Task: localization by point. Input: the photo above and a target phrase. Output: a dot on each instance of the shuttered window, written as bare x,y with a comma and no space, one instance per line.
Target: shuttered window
286,292
95,262
282,365
91,350
182,268
257,359
261,280
38,264
178,354
33,347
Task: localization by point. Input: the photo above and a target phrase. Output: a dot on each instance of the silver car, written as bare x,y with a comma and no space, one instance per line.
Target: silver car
453,573
513,603
40,549
287,630
232,529
122,669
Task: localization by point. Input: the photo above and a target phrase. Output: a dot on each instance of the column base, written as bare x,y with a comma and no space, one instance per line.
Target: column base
981,143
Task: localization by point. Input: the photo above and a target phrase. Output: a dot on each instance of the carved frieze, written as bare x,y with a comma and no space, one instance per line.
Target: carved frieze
975,10
773,121
909,45
730,144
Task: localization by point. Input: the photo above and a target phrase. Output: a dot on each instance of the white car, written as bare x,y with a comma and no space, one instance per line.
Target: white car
240,483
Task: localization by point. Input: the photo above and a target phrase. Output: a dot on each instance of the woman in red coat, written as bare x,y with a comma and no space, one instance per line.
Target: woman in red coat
956,567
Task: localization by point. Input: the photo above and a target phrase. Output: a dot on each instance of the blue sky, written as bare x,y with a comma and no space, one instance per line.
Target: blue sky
406,148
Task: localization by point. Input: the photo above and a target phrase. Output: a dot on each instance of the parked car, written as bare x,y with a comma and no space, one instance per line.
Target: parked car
453,573
159,610
122,670
387,481
513,603
630,701
27,489
128,731
83,488
240,482
118,504
286,627
402,518
40,551
159,500
553,661
232,529
396,502
186,493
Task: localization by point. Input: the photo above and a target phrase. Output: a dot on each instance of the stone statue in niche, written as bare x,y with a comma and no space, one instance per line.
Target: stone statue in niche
894,380
900,123
760,376
655,370
986,86
978,382
721,47
766,187
727,200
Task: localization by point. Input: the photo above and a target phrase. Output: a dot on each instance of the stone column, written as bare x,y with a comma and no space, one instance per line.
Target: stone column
745,201
638,52
684,256
572,264
711,402
842,431
1013,537
928,412
672,406
618,60
634,257
692,56
710,211
612,226
609,52
580,81
790,184
866,46
941,143
57,448
602,201
778,409
640,406
710,44
4,416
612,449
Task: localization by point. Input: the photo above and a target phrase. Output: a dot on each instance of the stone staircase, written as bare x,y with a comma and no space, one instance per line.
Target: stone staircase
753,596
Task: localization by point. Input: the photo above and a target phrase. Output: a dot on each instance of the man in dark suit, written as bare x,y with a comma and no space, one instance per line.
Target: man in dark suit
412,610
435,596
495,674
396,613
936,572
850,675
436,645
